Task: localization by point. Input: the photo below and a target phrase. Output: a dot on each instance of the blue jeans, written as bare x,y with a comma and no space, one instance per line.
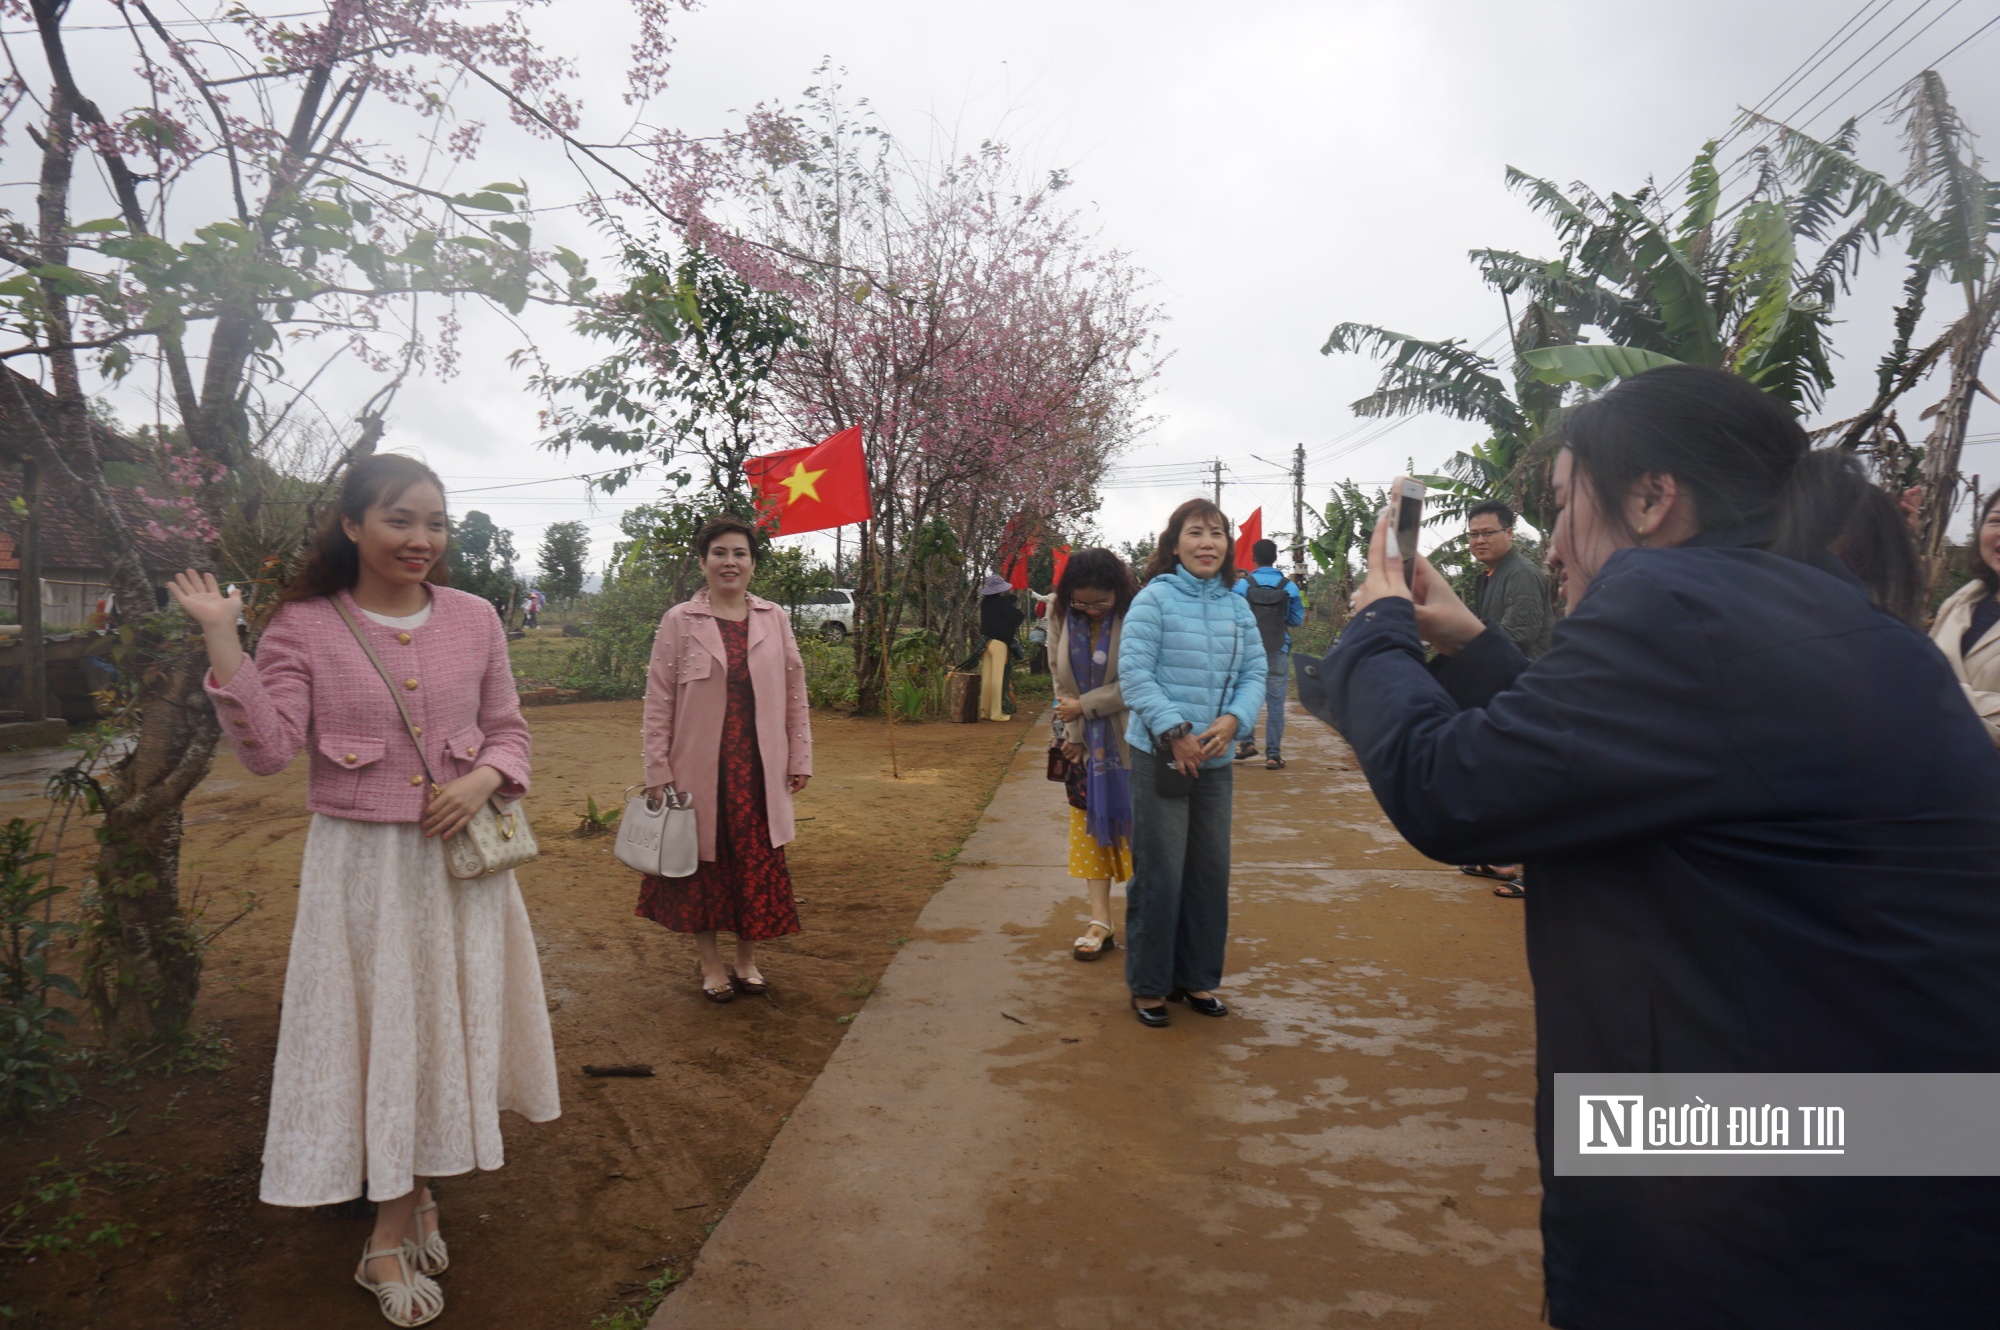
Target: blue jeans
1177,903
1279,664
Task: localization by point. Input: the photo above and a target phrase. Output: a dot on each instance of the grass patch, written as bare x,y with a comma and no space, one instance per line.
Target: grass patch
634,1315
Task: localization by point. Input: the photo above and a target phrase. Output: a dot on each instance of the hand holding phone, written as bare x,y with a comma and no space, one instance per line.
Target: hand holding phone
1408,497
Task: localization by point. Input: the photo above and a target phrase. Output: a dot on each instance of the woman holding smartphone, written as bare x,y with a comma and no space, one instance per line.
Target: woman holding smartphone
1191,671
1763,825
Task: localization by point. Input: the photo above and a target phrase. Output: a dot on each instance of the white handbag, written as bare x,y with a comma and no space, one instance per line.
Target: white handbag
661,838
497,838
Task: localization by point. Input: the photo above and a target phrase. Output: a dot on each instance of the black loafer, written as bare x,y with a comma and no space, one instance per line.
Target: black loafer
1153,1018
1208,1006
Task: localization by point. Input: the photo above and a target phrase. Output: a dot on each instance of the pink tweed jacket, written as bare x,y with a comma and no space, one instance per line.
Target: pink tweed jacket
311,686
687,695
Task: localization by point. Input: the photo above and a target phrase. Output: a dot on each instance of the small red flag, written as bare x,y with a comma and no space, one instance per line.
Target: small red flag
1017,571
1247,535
1062,562
811,489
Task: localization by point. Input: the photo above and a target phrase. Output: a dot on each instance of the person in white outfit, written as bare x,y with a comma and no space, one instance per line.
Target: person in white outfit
413,1009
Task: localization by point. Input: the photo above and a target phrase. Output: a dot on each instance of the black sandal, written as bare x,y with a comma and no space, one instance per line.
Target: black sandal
1511,889
726,993
747,987
1488,871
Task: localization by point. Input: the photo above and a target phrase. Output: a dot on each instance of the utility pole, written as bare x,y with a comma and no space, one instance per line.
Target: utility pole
1218,482
1299,512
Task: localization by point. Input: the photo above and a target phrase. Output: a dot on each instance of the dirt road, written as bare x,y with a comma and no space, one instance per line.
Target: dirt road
163,1169
999,1143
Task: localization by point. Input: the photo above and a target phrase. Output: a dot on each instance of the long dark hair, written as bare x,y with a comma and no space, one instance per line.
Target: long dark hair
333,562
1746,462
1981,571
1167,554
1096,570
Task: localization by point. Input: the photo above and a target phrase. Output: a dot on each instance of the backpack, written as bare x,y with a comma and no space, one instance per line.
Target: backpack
1271,605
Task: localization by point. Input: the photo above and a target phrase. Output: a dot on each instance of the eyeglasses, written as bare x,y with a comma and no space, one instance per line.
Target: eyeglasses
1483,535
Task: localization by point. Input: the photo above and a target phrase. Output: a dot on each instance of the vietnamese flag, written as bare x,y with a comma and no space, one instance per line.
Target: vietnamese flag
1062,562
1017,571
811,489
1247,535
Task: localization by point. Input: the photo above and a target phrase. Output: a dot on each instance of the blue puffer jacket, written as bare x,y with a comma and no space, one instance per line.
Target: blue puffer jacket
1174,658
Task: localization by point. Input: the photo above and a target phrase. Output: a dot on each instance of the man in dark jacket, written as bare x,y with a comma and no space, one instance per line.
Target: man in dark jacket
1764,830
1513,594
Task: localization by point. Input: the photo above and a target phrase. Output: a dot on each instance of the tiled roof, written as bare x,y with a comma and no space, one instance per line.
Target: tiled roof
68,542
13,429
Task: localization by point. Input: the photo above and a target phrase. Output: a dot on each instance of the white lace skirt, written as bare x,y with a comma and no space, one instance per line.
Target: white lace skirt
413,1015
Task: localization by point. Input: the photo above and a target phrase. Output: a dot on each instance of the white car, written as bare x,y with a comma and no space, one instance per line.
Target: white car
831,612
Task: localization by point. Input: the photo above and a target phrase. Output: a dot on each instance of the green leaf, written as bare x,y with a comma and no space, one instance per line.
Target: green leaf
518,232
1592,366
485,200
100,226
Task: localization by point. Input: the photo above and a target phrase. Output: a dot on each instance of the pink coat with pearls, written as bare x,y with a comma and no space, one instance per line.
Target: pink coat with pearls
687,694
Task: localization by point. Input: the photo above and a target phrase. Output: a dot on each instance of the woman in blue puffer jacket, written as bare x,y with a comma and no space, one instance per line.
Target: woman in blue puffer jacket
1191,667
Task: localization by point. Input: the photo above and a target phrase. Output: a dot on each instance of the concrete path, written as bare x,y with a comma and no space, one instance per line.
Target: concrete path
998,1142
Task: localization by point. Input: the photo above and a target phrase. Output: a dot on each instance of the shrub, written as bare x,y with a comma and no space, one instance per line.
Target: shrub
829,672
33,1048
611,662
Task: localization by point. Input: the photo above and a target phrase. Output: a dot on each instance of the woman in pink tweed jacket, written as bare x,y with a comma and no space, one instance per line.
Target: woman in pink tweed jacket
413,1009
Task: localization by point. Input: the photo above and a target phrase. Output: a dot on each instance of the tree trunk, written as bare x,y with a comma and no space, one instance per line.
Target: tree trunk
143,950
1946,444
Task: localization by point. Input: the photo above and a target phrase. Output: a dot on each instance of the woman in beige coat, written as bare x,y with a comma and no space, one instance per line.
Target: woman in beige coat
1085,617
1965,627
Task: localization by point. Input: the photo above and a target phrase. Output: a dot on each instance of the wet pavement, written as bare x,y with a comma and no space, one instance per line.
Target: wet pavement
997,1140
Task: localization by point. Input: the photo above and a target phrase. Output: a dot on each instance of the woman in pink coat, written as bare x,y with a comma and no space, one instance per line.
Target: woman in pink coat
726,722
413,1007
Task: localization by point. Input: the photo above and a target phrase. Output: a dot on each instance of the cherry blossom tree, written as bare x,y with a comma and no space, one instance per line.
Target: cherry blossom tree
232,196
996,356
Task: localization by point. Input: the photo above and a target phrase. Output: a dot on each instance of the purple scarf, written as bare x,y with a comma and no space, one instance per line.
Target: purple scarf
1108,792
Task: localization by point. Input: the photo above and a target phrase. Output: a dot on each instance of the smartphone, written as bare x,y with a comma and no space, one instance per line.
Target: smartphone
1408,497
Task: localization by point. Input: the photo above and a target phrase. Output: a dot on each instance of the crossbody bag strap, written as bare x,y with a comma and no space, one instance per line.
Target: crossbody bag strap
388,683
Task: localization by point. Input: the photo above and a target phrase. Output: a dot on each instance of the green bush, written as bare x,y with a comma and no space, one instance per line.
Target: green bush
611,662
829,672
33,1049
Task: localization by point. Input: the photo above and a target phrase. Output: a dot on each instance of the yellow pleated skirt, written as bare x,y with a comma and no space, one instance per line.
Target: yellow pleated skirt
1088,859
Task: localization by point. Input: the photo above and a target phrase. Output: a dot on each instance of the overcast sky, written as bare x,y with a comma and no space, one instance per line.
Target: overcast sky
1276,167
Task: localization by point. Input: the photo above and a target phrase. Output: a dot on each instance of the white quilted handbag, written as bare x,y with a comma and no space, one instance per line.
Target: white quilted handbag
661,838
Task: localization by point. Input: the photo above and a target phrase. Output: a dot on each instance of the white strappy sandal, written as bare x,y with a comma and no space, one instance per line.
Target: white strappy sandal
1082,948
427,1253
411,1300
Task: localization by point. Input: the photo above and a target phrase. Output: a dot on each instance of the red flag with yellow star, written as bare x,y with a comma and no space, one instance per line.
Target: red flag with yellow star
811,489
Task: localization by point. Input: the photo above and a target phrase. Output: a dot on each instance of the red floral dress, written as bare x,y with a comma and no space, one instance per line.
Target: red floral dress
746,889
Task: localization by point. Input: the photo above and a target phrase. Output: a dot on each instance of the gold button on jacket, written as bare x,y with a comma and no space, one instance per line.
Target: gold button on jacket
410,684
404,638
416,780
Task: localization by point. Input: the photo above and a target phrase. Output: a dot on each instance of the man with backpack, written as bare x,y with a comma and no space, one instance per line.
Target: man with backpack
1276,603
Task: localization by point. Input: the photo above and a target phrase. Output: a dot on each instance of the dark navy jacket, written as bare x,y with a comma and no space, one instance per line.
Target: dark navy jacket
1762,832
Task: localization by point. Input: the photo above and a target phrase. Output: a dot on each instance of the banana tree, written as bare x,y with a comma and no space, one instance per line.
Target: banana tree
1702,284
1948,212
1342,542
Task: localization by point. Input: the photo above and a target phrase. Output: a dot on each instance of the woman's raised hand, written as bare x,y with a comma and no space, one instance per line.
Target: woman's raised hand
202,599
